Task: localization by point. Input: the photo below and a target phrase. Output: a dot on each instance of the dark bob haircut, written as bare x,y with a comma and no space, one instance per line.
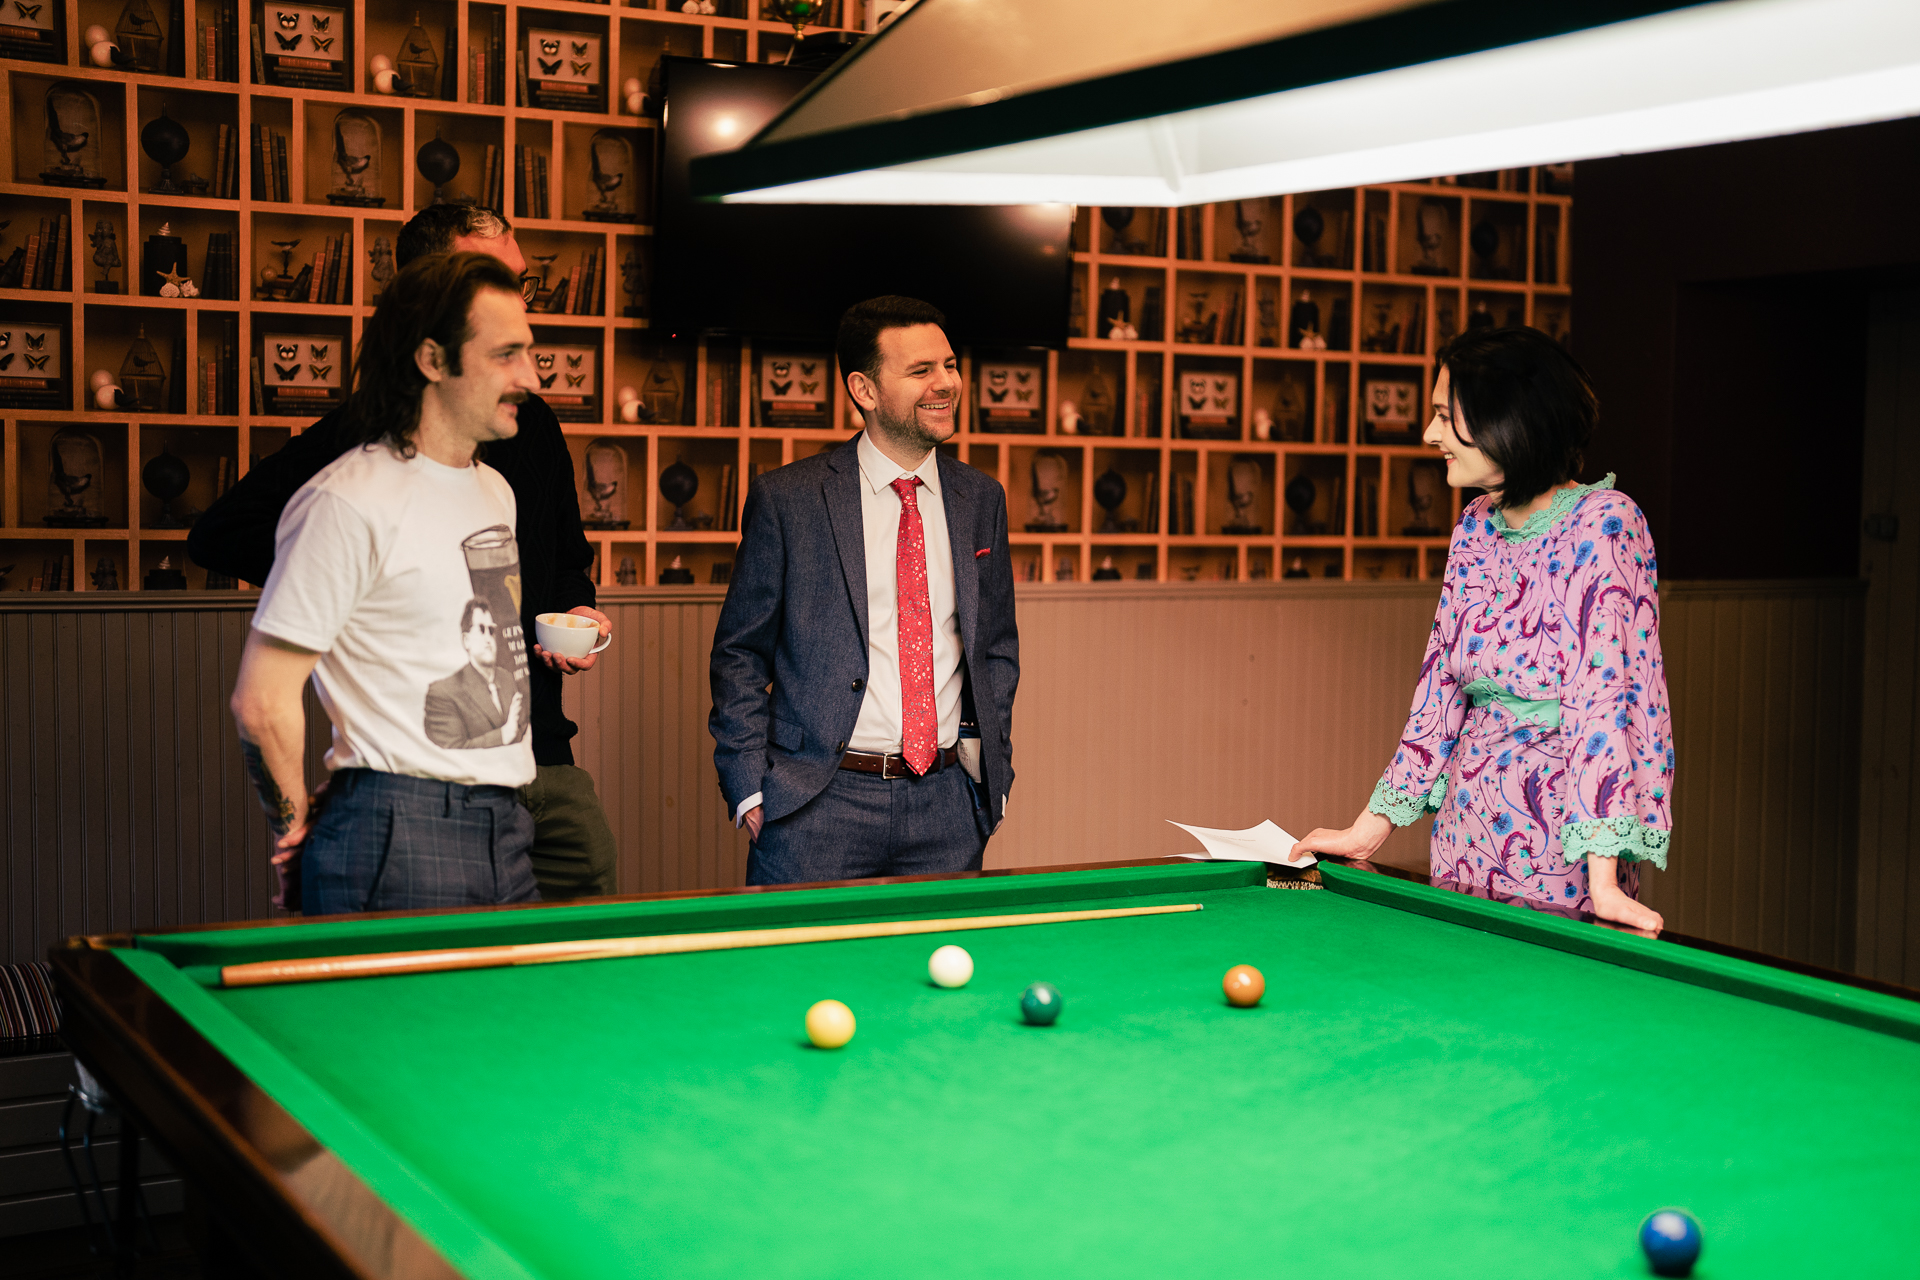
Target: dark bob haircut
1525,403
858,343
431,298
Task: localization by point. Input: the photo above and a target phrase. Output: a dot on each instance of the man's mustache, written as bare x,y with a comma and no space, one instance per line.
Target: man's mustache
514,397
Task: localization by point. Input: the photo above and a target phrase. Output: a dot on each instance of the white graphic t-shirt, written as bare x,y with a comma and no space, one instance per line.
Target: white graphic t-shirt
405,576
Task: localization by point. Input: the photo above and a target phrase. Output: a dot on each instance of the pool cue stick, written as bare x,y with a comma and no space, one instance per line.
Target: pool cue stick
382,964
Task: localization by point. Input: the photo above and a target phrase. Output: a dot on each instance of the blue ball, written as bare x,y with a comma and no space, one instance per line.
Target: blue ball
1040,1005
1671,1239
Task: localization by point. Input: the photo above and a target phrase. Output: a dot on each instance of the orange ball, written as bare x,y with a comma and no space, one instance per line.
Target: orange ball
1244,986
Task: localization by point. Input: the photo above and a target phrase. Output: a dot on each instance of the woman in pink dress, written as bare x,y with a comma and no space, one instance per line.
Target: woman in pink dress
1541,737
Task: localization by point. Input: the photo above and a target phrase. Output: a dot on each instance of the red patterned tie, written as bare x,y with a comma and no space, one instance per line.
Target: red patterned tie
919,723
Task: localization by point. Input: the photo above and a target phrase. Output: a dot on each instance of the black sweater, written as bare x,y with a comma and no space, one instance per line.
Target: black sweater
236,535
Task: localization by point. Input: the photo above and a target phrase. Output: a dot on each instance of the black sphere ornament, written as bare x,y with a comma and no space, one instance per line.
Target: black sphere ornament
1485,238
1110,490
166,478
439,164
678,484
1300,493
166,142
1309,225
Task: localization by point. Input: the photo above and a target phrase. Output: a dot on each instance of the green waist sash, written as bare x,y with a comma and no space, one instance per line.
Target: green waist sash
1542,712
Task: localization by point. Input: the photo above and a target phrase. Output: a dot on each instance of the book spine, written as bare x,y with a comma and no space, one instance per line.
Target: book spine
258,175
594,298
474,62
450,69
499,98
573,287
283,188
259,57
229,389
259,396
520,75
62,273
30,278
540,199
343,281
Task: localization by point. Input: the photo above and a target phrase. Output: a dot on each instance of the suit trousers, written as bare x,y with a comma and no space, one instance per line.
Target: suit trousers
389,842
864,825
573,850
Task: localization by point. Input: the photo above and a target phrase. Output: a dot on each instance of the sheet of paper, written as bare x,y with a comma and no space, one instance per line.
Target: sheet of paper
1264,843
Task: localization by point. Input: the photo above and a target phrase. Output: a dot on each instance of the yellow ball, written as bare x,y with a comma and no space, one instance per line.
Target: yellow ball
829,1024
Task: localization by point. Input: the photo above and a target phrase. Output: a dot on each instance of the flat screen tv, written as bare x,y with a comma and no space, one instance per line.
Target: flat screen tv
1001,274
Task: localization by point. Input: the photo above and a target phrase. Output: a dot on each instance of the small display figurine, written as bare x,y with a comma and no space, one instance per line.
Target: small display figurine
1049,480
75,479
1247,220
626,575
106,256
417,66
356,160
382,270
1243,488
1430,233
606,485
610,170
73,137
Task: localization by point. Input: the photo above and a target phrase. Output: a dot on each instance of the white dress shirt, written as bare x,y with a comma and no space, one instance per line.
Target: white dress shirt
879,727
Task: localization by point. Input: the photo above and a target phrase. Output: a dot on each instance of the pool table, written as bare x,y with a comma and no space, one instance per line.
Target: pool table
1437,1084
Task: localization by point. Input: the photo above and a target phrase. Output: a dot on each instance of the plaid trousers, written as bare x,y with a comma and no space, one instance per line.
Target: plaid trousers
388,842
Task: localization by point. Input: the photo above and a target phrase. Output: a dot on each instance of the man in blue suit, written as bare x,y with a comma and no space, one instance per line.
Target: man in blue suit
868,633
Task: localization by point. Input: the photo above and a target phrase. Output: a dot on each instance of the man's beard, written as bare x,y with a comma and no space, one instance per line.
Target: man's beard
907,433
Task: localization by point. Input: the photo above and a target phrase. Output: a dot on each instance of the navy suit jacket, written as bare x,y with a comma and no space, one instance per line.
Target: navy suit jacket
796,619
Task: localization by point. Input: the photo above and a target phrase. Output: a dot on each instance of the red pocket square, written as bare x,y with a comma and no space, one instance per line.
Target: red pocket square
984,551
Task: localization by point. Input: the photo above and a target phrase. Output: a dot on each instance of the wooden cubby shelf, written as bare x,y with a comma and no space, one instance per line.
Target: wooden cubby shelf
1284,319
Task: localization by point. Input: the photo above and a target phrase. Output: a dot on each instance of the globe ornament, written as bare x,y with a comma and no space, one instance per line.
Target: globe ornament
439,164
1110,490
1485,238
678,484
165,477
166,142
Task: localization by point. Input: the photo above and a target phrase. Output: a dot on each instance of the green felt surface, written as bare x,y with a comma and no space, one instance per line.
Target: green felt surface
1415,1096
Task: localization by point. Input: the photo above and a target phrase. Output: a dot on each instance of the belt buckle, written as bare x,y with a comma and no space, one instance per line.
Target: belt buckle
886,766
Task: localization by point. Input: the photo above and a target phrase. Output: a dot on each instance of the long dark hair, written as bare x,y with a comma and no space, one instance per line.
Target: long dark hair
1528,405
430,298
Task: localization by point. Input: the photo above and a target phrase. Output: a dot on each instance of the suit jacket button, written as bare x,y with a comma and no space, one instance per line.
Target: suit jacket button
839,746
858,685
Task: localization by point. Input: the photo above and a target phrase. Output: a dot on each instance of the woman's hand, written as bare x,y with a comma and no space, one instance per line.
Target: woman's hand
1361,840
1611,905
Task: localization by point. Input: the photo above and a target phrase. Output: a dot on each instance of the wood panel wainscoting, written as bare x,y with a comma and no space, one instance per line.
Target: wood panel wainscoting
123,801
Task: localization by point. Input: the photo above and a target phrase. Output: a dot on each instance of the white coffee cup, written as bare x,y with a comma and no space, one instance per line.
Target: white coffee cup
568,634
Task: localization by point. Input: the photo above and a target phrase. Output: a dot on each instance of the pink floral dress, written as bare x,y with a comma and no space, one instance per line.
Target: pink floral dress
1540,730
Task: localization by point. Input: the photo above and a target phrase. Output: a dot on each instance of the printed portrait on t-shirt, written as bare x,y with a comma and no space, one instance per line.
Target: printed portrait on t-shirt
481,704
488,701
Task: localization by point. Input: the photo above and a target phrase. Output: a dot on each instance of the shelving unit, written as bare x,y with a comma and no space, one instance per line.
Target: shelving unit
706,387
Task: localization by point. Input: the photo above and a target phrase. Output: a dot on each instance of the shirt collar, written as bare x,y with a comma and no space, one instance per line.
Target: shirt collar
880,471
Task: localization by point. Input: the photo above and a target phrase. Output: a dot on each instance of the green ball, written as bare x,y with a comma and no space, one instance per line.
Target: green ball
1041,1004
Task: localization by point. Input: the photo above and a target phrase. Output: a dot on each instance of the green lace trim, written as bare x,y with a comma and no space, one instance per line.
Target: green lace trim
1544,712
1545,518
1402,808
1624,836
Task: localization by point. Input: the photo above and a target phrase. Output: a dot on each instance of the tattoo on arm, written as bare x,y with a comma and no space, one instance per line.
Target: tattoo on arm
279,808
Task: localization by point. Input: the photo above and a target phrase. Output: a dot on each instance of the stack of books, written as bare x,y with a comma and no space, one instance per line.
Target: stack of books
493,179
328,281
226,170
44,261
529,183
487,61
220,274
270,165
578,293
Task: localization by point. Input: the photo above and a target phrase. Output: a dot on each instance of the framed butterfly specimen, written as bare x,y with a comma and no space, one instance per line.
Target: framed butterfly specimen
562,82
787,395
292,386
576,397
1007,399
33,366
309,48
33,30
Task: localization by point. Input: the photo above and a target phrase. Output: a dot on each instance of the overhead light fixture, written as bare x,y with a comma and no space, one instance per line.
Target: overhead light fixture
1142,102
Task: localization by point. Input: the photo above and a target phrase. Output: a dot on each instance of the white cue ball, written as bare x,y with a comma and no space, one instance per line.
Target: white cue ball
636,103
96,34
631,85
102,53
950,966
630,411
380,62
99,379
107,397
627,395
386,81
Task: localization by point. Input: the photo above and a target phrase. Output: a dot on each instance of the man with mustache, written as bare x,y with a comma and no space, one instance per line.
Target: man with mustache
573,847
865,661
394,566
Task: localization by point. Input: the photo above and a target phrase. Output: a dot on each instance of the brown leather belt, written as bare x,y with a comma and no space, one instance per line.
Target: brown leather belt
894,766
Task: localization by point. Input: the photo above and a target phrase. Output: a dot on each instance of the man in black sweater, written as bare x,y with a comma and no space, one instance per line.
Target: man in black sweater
573,850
